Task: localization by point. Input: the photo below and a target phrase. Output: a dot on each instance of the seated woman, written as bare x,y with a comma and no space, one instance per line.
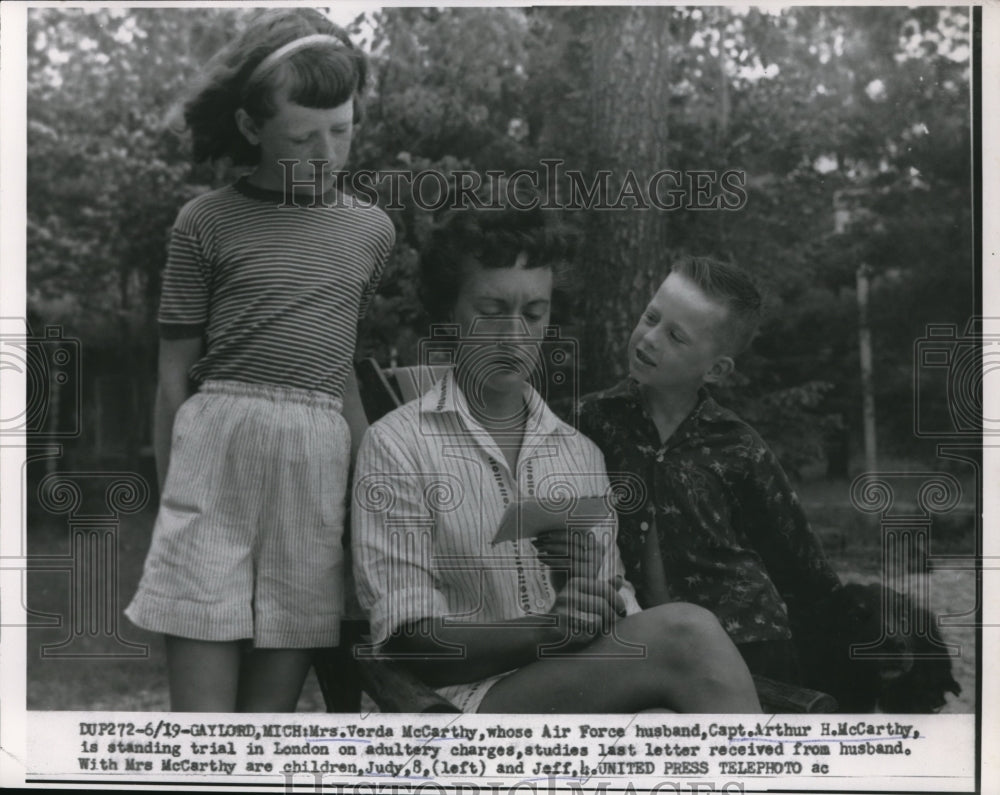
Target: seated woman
490,625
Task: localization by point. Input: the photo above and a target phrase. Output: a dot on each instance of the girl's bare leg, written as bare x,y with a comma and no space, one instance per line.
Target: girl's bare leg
271,679
689,665
203,675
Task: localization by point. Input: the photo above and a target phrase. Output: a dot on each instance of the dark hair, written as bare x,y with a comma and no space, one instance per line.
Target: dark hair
731,287
492,238
318,76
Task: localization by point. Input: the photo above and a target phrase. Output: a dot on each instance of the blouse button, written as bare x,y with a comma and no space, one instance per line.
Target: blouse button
644,526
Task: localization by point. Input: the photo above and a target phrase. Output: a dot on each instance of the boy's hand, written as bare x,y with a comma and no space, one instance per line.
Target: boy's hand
587,607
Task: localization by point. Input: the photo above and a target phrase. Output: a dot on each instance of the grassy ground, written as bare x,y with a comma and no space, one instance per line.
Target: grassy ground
133,677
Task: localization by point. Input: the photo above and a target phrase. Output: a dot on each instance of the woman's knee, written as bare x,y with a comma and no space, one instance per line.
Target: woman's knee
685,620
699,667
684,633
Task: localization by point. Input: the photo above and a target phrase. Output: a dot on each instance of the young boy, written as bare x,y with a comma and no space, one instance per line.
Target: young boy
718,524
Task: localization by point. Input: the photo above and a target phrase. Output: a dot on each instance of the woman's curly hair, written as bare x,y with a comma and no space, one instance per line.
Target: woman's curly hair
495,237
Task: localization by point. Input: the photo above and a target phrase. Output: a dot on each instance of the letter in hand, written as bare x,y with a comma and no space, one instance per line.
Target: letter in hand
527,518
565,533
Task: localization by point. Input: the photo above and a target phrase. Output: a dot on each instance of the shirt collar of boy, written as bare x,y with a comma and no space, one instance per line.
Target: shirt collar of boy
705,409
446,397
626,392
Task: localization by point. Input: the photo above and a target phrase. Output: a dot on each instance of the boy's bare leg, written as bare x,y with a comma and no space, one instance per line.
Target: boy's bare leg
690,665
271,679
203,675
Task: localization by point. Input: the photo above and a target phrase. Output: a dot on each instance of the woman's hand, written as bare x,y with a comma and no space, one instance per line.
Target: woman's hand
570,552
587,607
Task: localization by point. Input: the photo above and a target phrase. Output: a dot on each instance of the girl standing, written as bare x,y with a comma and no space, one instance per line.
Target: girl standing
265,283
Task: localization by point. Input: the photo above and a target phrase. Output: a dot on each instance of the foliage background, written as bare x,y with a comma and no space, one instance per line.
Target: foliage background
809,102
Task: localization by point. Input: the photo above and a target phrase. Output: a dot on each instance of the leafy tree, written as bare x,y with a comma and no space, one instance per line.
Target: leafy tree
861,109
105,178
813,105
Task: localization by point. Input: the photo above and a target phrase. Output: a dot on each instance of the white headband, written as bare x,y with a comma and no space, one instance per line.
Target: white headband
291,48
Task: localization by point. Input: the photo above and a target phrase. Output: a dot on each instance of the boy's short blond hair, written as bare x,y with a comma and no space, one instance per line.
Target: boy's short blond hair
731,287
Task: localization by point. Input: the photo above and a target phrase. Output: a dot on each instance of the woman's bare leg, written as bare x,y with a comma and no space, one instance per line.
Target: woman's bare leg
689,665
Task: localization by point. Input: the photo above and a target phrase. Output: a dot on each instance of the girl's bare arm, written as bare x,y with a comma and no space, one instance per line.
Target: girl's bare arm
173,388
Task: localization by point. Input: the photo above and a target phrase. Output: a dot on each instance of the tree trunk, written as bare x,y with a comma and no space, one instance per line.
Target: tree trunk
625,256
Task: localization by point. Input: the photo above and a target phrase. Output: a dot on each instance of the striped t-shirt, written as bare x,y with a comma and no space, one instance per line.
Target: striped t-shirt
276,291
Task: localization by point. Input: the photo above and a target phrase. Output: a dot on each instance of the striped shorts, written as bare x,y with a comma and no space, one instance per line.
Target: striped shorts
248,541
467,696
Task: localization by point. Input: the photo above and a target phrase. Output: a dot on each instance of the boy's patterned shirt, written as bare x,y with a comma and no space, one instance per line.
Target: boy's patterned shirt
733,537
